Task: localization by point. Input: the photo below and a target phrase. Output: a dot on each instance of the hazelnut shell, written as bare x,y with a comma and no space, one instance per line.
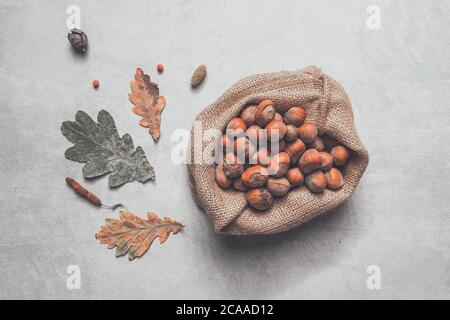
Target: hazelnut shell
295,177
295,148
260,198
233,166
307,132
279,164
278,187
310,161
255,176
221,178
334,179
340,155
295,116
316,181
236,127
265,112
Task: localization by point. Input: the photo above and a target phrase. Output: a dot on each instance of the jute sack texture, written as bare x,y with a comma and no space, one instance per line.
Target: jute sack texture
327,106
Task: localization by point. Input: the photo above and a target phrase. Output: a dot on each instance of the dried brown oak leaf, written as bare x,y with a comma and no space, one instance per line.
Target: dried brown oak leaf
135,235
147,103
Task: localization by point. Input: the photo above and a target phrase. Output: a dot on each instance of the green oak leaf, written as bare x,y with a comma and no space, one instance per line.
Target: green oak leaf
104,151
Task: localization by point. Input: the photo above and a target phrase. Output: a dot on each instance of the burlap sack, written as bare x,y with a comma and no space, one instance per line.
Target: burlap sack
327,106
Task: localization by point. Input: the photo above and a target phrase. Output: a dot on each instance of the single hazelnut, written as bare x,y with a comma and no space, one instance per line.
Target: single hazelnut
233,166
248,115
260,198
340,155
327,161
243,148
278,117
334,179
310,161
255,176
221,178
291,132
295,177
317,144
265,112
295,148
279,164
276,130
239,185
316,181
307,132
256,134
236,127
295,116
261,157
278,187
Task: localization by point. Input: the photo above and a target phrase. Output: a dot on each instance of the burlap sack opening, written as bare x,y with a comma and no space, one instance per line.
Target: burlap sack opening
327,106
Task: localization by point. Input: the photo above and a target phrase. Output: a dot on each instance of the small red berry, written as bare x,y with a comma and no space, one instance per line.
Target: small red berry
95,84
160,67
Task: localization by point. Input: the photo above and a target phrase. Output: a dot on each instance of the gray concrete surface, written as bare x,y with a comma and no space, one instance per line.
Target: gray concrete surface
397,78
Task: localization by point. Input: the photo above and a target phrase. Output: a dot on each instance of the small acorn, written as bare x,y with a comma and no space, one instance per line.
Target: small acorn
198,76
295,148
255,176
260,198
221,178
316,181
307,132
334,179
276,130
239,185
327,161
248,115
279,164
233,166
310,161
278,187
340,155
295,177
265,112
291,132
236,128
317,144
295,116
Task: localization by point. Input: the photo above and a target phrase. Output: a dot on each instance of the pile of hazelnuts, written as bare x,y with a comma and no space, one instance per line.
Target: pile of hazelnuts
270,149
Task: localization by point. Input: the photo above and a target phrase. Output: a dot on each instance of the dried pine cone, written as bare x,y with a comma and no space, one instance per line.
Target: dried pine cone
78,40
